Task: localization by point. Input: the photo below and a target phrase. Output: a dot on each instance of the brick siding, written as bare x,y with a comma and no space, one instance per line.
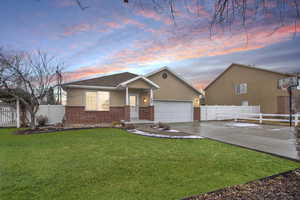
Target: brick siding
196,113
146,113
78,115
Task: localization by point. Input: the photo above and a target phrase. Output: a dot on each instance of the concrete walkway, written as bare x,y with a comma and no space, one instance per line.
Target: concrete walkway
279,140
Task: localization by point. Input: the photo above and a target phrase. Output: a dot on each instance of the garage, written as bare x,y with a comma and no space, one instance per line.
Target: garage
173,111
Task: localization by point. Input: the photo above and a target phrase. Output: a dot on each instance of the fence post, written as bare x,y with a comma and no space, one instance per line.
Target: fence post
296,119
18,113
260,118
236,117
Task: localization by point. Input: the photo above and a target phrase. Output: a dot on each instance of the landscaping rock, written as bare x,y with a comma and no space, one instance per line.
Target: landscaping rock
285,186
129,126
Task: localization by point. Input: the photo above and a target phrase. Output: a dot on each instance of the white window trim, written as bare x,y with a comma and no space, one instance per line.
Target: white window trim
238,91
85,107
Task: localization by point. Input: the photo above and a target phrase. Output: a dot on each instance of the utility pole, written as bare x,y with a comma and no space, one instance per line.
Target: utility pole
290,105
59,82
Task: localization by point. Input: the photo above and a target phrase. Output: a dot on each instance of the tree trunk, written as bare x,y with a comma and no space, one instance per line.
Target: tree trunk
32,121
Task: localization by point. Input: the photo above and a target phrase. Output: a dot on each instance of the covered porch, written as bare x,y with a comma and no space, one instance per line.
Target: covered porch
139,100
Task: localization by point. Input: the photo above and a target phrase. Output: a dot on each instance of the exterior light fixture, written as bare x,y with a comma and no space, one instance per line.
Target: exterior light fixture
145,100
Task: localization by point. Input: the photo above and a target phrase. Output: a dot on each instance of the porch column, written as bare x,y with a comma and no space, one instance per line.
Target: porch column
18,113
151,97
126,96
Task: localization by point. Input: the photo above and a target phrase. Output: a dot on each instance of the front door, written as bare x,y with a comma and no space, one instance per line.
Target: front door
134,107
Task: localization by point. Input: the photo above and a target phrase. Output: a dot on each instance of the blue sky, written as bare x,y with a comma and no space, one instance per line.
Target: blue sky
111,36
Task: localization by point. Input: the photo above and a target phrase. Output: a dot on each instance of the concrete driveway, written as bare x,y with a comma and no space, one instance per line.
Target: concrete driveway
279,140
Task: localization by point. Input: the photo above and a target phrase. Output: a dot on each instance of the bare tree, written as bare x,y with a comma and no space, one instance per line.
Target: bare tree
226,13
28,77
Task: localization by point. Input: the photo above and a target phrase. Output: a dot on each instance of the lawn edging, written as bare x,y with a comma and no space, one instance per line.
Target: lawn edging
253,149
142,133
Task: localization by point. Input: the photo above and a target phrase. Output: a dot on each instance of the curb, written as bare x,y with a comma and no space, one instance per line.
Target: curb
260,151
137,132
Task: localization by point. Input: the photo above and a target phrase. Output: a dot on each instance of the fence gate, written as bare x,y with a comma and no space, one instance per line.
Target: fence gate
8,116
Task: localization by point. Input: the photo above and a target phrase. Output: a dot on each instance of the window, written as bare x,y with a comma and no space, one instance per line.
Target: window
241,89
97,101
132,100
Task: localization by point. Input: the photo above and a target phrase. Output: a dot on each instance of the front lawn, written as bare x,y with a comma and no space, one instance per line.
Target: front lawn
113,164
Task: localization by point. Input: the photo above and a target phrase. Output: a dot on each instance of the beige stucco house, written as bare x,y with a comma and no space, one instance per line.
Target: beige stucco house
159,96
247,85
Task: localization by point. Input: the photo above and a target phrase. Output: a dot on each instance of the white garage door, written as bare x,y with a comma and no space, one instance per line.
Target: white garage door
173,111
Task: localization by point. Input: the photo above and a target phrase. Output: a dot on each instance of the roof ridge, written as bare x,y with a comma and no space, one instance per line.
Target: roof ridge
100,76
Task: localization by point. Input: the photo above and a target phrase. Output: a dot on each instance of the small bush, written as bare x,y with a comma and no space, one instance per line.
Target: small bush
116,124
160,125
166,127
163,126
42,120
59,125
129,126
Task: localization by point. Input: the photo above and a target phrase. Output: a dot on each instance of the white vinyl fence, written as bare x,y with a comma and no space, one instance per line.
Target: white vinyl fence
8,116
225,112
54,113
261,117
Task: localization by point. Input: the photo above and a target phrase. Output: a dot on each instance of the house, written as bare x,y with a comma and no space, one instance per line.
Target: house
159,96
247,85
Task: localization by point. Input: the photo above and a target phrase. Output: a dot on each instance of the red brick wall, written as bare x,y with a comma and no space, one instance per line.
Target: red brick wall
146,113
77,115
127,113
196,113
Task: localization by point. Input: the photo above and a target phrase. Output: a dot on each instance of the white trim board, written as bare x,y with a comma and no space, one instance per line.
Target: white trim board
91,87
136,78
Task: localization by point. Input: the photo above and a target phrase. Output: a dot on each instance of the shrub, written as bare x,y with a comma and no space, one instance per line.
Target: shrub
42,120
166,127
160,125
129,126
116,124
163,126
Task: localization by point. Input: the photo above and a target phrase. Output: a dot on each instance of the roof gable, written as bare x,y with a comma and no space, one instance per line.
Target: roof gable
244,66
175,75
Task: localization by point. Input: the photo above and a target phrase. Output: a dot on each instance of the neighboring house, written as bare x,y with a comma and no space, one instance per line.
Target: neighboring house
247,85
159,96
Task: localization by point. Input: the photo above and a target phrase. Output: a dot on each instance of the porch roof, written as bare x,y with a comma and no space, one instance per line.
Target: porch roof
130,81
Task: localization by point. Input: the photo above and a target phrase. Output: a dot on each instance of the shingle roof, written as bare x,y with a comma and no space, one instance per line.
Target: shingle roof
106,81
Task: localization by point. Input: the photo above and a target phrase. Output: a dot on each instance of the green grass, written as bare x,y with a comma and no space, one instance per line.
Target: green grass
113,164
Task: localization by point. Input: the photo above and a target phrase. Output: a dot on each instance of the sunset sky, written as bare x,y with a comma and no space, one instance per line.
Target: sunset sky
111,36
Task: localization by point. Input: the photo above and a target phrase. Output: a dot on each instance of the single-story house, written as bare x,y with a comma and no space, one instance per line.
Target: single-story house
158,96
248,85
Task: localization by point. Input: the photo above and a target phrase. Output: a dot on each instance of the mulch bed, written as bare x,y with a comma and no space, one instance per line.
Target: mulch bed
149,129
285,186
52,129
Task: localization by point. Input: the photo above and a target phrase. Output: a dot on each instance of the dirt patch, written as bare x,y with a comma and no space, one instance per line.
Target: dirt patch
54,129
149,129
277,187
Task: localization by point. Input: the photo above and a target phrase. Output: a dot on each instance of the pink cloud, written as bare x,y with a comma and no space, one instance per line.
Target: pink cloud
124,22
179,48
113,25
87,71
79,28
151,14
101,26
